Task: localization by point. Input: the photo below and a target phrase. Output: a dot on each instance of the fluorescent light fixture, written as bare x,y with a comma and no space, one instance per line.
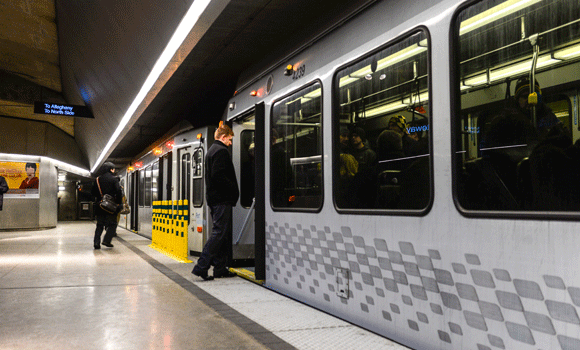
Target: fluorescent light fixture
61,188
313,94
38,159
493,14
309,96
424,97
568,53
386,62
544,61
182,31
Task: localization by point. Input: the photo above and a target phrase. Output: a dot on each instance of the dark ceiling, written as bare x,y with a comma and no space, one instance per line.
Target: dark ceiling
106,49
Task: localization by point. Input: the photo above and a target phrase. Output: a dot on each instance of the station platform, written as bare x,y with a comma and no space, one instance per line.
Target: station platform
57,292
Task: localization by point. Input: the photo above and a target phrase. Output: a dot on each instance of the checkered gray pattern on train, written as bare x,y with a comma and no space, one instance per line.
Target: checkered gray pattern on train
398,268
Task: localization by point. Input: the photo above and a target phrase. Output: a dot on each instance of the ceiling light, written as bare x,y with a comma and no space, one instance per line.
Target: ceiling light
386,62
493,14
424,97
518,68
567,53
181,33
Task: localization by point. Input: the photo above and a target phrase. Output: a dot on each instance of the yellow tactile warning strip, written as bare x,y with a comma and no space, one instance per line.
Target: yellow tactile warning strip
247,274
168,254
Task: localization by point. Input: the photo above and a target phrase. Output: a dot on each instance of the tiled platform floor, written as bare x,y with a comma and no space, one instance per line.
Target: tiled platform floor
56,292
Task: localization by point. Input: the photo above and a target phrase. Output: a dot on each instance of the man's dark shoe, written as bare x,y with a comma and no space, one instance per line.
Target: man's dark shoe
97,246
107,244
202,274
224,274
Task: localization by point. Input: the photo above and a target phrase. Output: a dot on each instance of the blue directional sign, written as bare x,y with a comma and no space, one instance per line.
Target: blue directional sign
60,109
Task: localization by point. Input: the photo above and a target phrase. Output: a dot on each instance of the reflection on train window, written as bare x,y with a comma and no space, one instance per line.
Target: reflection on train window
155,182
185,176
197,166
296,150
517,144
142,187
381,124
247,168
148,186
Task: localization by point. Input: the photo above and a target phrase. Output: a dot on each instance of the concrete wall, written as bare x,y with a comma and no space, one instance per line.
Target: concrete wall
43,143
38,138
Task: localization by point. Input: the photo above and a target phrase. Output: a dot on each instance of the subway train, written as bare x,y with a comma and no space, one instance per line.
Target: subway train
415,170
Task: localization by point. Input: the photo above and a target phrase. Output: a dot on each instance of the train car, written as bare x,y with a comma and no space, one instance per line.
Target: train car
401,172
171,170
410,179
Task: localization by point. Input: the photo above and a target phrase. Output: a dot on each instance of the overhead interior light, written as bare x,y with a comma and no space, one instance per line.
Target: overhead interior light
493,14
399,105
61,188
181,33
386,62
313,94
568,53
544,61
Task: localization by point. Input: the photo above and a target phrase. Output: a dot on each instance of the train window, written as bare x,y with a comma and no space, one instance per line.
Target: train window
142,187
148,186
247,168
296,150
197,166
155,182
517,144
381,127
185,175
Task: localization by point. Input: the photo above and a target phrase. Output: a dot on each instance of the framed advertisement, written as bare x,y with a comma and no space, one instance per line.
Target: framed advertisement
22,178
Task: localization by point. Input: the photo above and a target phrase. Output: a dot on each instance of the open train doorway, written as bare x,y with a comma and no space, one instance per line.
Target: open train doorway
247,155
243,156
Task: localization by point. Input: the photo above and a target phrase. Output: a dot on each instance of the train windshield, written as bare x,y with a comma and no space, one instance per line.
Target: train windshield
381,124
516,133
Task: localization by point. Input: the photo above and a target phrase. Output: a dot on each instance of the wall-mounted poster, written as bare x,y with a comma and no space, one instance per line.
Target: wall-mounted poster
22,179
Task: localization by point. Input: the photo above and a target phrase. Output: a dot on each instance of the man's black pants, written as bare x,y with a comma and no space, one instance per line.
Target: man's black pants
217,249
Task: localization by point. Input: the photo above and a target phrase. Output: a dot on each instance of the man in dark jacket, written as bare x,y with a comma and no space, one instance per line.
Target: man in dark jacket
107,183
3,189
222,194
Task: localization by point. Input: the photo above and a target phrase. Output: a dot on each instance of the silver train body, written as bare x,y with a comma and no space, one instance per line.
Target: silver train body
454,244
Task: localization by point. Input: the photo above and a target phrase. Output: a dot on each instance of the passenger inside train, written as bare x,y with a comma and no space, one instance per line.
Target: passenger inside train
520,153
384,97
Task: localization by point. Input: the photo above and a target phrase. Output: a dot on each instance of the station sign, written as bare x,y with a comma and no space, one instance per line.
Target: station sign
61,109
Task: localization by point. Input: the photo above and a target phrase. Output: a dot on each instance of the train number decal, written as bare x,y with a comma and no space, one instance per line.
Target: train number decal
299,72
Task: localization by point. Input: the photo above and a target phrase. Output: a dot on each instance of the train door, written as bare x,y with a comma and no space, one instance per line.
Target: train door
243,156
134,200
191,187
248,219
